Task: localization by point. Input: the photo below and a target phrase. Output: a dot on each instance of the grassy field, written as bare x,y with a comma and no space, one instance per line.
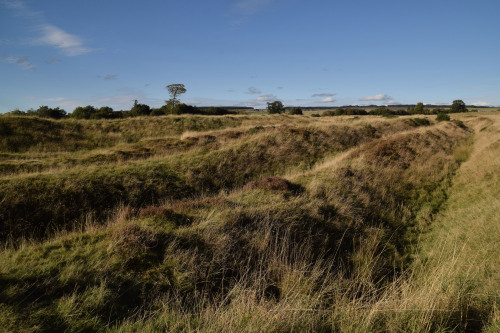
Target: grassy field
250,223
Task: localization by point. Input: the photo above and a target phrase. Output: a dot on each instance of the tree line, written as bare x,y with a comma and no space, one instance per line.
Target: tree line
457,106
172,106
106,112
175,107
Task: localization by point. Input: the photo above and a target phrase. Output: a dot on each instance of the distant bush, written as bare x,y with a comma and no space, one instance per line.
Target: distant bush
16,112
215,111
139,110
83,112
294,111
157,112
386,112
54,113
419,121
90,112
442,117
256,129
315,115
106,112
459,123
345,112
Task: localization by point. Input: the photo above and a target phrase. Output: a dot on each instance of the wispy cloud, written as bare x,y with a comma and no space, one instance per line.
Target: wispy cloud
379,97
69,44
22,62
260,101
326,100
203,101
55,99
253,90
51,60
323,95
266,98
110,77
243,10
249,7
67,104
12,4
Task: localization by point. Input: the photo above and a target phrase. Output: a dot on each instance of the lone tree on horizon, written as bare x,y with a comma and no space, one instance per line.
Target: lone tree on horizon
458,106
174,90
275,107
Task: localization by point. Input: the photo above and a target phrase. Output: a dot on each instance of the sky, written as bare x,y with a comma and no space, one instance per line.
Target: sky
66,54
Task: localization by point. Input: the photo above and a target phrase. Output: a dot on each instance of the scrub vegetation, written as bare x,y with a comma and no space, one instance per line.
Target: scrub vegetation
250,223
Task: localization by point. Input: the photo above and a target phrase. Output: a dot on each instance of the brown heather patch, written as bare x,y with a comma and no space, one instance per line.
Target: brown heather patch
129,240
154,211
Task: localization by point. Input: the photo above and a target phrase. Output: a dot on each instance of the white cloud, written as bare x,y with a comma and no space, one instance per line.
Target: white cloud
70,45
327,100
481,104
379,97
253,90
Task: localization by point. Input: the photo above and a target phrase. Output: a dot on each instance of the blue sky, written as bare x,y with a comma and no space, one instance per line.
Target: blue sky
248,52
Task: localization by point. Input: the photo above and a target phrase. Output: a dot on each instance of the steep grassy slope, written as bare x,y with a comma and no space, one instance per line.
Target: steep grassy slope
310,226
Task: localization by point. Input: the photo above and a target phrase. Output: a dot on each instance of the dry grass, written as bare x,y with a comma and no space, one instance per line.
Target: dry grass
393,230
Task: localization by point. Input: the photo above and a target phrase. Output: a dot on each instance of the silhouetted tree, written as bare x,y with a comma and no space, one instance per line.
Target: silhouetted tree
275,107
45,112
106,112
458,106
83,112
175,90
139,110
